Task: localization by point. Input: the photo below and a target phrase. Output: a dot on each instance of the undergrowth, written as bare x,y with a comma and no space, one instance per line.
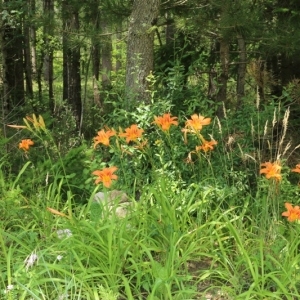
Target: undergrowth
205,216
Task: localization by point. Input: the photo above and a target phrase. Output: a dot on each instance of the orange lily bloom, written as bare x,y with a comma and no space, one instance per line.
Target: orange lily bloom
197,122
132,133
165,121
106,176
25,144
297,169
207,146
103,137
292,213
271,170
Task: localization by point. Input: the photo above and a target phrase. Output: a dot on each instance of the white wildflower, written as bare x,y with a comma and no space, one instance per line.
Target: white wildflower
59,257
8,289
30,260
61,233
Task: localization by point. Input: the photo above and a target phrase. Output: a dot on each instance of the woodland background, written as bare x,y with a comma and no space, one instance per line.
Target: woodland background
208,224
89,57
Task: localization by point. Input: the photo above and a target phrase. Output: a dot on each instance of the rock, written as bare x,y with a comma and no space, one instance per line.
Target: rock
114,200
111,197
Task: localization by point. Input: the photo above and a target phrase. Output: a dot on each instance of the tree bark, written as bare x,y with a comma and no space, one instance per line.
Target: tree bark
27,60
32,35
241,75
95,16
223,77
106,55
48,51
71,63
118,46
12,53
140,54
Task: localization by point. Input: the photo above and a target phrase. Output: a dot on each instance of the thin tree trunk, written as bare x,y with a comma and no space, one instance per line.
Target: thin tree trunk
75,78
12,52
106,55
240,87
27,61
65,59
118,46
140,54
71,63
4,91
223,77
96,56
48,57
33,51
32,35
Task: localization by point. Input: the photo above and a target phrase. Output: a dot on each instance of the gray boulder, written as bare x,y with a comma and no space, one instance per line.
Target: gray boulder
116,201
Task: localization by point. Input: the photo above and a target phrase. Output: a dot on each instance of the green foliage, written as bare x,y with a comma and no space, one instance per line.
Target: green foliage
204,222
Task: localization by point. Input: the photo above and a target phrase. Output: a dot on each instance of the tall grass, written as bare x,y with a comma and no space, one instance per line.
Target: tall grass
206,223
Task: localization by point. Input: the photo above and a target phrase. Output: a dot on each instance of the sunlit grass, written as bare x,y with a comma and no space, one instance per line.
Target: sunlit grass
202,221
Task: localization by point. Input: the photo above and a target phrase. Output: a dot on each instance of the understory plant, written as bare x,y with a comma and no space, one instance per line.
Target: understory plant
207,217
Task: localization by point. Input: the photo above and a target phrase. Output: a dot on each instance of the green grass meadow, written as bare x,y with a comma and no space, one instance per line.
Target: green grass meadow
203,222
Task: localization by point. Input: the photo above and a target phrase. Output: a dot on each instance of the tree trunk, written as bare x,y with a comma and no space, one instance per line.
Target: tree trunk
241,75
4,87
33,50
119,47
71,63
12,53
27,60
106,55
48,51
32,35
139,62
223,77
95,16
95,19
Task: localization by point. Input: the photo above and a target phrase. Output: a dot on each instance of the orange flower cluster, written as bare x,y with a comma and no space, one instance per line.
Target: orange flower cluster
25,144
292,213
271,170
134,133
106,176
196,122
103,137
207,146
297,169
165,121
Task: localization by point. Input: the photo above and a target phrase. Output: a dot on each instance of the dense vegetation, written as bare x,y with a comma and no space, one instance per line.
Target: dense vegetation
149,150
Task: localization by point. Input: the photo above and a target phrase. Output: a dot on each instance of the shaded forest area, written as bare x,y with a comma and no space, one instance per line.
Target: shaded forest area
80,60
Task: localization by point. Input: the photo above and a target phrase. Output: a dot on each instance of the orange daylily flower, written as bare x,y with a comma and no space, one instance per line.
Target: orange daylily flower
25,144
197,122
271,170
106,176
132,133
165,121
292,213
297,169
103,137
207,146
